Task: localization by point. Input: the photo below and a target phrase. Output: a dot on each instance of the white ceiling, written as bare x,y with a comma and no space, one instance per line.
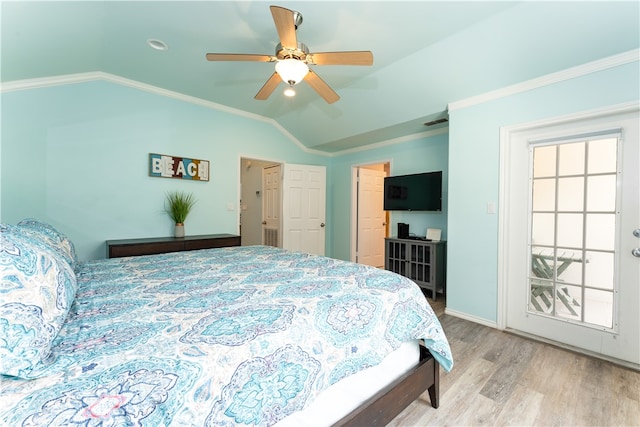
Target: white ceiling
426,53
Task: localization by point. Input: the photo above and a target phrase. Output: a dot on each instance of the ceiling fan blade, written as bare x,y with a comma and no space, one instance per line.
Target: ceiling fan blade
363,57
239,57
285,25
268,87
321,87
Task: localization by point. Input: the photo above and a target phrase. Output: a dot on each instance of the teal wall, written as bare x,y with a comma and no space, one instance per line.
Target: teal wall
474,173
76,156
424,154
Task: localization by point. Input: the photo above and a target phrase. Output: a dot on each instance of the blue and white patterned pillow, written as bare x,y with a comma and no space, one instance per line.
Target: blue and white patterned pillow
53,237
37,288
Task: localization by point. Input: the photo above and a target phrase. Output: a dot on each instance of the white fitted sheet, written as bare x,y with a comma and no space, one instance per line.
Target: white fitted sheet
346,395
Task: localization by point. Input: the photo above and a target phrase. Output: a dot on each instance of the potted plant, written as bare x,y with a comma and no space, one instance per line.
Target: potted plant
178,205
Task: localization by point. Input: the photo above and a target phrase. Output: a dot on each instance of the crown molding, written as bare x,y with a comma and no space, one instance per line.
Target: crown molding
52,81
569,73
102,76
394,141
37,83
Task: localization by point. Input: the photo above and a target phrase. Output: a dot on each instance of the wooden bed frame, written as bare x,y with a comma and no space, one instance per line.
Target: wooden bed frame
387,403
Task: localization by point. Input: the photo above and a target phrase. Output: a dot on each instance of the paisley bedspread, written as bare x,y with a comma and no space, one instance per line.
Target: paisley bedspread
231,336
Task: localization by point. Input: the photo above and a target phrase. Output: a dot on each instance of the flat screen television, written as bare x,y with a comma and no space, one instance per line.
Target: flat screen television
416,192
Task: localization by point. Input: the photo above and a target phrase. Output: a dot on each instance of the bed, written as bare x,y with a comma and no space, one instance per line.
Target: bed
232,336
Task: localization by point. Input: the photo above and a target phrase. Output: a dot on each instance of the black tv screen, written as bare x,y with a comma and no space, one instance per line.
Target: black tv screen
416,192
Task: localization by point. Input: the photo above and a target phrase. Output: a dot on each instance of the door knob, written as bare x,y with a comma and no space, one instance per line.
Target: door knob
322,224
264,222
636,232
635,252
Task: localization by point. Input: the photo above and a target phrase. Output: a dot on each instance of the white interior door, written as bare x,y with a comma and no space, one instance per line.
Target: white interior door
371,218
572,195
271,205
303,201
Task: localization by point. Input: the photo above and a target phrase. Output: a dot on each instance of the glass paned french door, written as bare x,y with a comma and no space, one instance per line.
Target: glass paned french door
569,265
572,229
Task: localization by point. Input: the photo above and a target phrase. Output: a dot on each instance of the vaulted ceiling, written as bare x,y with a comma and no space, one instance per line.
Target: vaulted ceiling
426,53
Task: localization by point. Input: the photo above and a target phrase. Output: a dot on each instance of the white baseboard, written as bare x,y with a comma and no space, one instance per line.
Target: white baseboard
471,318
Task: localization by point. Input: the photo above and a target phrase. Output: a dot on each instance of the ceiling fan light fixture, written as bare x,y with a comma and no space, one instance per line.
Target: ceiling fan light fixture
292,59
291,71
290,92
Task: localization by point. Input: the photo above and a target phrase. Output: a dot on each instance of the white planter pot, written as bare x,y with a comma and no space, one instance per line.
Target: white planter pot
179,230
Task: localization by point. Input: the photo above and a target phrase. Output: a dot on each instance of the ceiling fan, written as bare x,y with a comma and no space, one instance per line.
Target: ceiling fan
293,58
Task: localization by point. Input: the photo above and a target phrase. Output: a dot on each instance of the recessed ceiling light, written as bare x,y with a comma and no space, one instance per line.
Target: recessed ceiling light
157,44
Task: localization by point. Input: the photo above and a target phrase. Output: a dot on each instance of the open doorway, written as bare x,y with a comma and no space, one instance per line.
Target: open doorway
369,221
259,202
267,190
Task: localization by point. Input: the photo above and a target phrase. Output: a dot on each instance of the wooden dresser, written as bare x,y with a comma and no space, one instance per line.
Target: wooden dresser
161,245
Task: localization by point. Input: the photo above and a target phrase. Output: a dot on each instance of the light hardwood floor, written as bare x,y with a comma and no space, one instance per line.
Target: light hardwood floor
500,379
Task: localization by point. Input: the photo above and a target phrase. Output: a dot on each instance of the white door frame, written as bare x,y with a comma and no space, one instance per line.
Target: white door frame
354,203
237,205
506,134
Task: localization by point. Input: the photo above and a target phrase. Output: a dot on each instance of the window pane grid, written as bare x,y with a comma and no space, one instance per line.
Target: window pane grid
572,224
